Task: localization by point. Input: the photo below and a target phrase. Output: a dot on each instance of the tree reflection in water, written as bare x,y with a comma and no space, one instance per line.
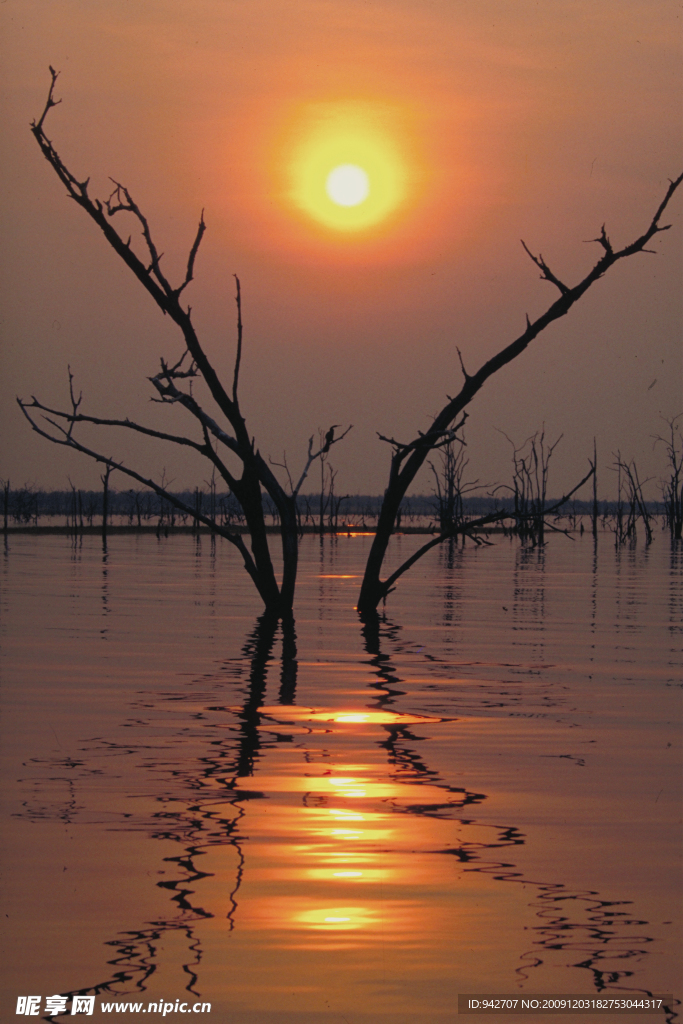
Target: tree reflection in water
584,930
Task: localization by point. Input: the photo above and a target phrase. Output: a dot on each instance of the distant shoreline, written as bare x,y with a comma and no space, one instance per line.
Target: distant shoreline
168,531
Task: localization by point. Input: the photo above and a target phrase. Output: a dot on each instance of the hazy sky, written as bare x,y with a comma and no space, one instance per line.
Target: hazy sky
503,119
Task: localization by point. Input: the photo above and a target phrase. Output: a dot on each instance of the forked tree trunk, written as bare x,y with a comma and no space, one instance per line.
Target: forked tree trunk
406,460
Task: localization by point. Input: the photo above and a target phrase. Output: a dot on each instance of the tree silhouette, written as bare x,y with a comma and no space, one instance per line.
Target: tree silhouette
173,387
408,458
256,474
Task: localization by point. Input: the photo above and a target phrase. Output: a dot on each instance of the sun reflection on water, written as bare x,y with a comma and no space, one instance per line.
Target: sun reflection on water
339,827
347,717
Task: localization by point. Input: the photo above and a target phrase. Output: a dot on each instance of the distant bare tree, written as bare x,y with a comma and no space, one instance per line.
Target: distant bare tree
407,458
215,440
631,504
329,503
594,507
105,498
673,487
450,488
531,462
5,484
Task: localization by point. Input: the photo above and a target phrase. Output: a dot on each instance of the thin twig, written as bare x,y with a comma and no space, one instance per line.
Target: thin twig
238,357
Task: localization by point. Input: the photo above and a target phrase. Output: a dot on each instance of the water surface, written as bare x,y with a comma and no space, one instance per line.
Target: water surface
478,792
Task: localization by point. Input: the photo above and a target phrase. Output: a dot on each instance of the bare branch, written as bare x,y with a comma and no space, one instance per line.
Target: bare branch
74,402
51,102
654,227
121,200
211,454
72,418
234,538
170,393
238,356
193,255
151,277
393,442
283,465
466,528
546,272
429,441
462,365
309,461
169,373
604,241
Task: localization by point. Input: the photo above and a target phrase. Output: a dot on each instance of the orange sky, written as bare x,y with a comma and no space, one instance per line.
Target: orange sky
509,119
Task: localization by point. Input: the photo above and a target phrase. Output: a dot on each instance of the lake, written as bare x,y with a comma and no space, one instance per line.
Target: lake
479,793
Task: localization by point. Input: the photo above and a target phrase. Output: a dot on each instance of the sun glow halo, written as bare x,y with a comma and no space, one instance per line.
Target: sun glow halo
346,171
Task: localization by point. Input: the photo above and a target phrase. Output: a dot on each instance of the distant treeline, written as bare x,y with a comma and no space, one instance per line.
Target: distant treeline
28,505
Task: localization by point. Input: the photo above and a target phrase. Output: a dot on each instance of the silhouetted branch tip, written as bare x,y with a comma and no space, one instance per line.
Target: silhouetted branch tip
546,272
462,366
51,101
430,440
189,274
75,402
392,441
603,240
238,354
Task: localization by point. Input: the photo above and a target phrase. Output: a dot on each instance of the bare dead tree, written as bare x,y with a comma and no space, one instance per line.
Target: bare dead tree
531,462
409,457
630,497
672,488
105,499
594,508
5,504
324,497
173,386
328,501
450,488
472,529
74,509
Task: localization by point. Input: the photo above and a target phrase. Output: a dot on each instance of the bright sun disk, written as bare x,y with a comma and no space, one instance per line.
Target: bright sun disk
346,170
347,185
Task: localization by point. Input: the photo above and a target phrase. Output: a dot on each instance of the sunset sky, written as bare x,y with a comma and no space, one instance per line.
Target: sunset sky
474,123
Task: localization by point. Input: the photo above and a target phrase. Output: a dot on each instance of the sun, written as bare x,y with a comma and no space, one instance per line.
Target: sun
346,172
347,185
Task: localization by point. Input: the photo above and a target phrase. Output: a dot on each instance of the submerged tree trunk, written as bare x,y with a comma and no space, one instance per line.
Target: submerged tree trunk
5,504
105,499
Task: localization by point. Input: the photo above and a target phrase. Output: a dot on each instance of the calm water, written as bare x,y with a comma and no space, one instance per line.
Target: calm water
353,824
